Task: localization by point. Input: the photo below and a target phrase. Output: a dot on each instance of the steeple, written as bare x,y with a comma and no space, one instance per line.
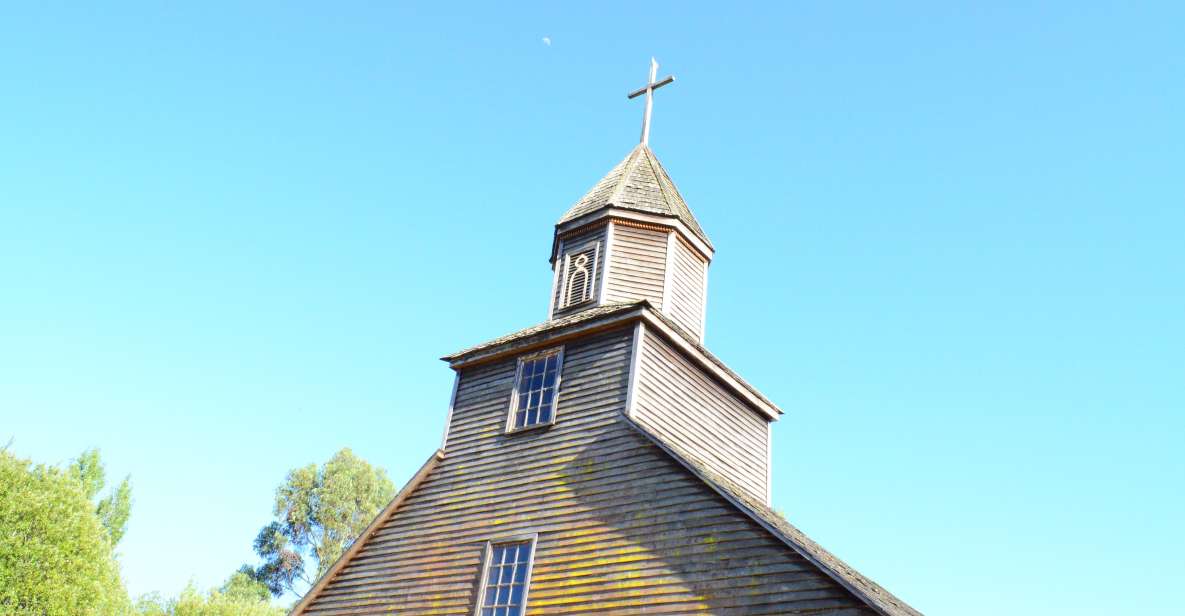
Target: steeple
632,237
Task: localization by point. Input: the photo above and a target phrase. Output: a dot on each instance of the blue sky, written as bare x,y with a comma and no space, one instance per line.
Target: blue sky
234,239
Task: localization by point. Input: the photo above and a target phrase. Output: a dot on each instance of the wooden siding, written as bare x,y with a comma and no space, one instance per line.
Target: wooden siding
637,267
623,528
685,406
686,304
572,244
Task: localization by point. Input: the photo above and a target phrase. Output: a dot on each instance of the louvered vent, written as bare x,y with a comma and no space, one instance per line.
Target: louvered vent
580,271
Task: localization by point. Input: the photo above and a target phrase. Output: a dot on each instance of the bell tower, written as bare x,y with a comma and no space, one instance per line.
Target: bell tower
632,237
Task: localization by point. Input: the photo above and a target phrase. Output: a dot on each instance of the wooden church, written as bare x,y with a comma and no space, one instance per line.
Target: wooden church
603,461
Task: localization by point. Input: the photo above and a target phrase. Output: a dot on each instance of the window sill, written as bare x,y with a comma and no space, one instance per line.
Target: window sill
533,428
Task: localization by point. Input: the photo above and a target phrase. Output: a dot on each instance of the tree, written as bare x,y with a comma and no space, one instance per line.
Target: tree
318,513
241,595
114,510
56,555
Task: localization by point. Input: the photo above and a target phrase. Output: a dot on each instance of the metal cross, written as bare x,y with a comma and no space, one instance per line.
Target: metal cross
649,92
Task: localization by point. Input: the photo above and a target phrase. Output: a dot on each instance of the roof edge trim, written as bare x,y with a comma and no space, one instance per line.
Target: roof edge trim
541,336
379,520
713,365
739,503
613,211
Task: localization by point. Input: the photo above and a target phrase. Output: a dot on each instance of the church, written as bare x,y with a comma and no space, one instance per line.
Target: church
603,461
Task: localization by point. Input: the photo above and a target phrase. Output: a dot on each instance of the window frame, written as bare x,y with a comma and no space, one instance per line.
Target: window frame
532,539
565,299
518,376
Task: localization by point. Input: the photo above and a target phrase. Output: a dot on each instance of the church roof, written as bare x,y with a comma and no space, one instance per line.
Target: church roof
638,183
883,601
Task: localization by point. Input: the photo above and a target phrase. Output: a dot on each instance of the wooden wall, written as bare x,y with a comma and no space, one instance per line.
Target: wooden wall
680,403
623,529
688,281
637,265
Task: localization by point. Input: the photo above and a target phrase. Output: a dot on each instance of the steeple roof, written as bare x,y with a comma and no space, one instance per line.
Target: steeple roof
638,183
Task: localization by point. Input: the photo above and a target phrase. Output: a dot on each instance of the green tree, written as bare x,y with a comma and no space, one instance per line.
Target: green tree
241,595
114,510
318,513
56,556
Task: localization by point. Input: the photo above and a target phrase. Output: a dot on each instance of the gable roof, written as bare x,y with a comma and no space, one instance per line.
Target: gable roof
640,183
871,593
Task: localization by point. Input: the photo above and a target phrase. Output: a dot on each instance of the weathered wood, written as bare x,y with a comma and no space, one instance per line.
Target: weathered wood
622,529
684,405
383,516
686,305
638,267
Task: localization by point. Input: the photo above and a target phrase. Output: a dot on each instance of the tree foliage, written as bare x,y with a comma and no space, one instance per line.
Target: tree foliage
318,513
241,595
56,555
114,510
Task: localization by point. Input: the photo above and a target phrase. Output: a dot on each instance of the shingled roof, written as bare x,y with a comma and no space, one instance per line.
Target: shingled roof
638,183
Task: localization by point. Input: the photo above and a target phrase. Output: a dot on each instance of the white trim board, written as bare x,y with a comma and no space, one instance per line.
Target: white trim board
635,364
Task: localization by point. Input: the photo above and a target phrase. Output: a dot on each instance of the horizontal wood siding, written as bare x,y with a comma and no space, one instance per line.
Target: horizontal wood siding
637,268
576,243
686,304
623,528
680,403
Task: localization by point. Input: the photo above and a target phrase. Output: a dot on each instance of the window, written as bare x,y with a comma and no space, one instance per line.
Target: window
580,273
536,388
506,578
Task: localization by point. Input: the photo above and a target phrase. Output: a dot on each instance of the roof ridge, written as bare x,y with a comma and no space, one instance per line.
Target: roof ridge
678,204
619,186
650,160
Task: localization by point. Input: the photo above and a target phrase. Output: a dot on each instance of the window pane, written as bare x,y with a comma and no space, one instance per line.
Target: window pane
536,390
506,579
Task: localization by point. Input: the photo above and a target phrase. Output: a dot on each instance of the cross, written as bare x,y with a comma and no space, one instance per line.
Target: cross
649,92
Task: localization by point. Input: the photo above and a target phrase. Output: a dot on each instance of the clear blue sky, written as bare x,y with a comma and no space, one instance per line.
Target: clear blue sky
951,243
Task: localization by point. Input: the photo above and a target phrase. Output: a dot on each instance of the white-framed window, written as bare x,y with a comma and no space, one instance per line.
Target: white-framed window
580,275
536,390
506,576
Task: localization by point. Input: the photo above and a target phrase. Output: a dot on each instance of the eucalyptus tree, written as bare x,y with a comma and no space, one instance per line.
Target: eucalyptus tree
318,513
